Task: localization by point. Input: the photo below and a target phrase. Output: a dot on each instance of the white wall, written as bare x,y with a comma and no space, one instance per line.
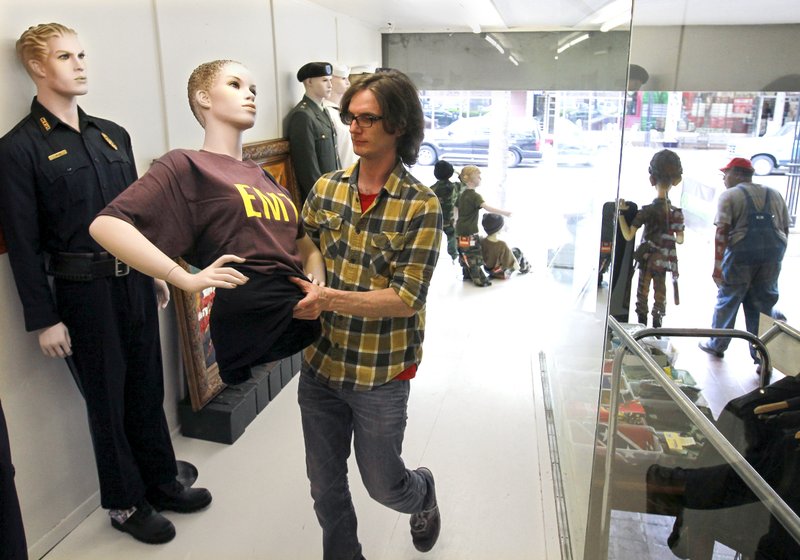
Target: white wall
140,55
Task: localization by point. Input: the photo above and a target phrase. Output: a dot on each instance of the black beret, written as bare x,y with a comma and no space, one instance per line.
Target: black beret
314,70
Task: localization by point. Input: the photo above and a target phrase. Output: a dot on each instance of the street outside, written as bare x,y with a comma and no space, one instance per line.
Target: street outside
550,202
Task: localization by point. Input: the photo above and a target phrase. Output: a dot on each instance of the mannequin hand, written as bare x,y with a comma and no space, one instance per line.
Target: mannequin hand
314,280
623,205
162,292
310,306
55,342
215,275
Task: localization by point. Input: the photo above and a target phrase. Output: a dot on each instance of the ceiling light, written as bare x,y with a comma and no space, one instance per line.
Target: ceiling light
492,41
513,60
572,43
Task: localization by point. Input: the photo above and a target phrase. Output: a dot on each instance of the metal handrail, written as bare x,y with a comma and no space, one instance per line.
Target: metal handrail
771,500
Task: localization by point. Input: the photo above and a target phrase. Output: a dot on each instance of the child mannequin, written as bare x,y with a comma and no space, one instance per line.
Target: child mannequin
447,192
226,216
499,259
663,228
470,204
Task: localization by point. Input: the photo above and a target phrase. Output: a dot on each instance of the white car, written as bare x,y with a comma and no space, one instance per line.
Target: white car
769,152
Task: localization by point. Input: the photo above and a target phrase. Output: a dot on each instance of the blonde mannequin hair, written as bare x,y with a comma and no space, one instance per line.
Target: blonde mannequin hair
467,173
202,79
32,44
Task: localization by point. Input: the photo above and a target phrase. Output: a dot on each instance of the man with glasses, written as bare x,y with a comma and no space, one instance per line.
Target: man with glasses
752,230
379,230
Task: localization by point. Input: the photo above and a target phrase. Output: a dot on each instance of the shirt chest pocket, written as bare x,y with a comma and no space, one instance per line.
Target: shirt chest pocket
330,232
120,168
66,181
384,250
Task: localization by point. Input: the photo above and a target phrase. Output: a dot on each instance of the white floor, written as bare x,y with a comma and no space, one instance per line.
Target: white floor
475,418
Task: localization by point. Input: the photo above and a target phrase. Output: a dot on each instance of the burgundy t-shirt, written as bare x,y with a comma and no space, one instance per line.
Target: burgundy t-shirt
201,205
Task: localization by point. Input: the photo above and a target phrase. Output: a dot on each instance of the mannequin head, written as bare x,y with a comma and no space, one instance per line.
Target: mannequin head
665,169
54,59
316,79
223,91
32,44
340,81
470,176
400,108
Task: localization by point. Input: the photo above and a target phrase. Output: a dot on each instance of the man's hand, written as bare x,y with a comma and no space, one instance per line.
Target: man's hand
311,305
162,293
55,342
215,275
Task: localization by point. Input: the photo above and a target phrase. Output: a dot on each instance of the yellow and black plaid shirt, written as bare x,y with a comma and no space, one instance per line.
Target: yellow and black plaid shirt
395,243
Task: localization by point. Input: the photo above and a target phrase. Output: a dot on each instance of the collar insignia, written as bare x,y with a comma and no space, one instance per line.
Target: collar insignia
45,124
109,140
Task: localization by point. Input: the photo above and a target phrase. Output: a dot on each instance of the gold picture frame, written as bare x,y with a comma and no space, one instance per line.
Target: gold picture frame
193,310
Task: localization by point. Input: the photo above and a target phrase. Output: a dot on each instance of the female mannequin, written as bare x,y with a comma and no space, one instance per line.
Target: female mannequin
227,217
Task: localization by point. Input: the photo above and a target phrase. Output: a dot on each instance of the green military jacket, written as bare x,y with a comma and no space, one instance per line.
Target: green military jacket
312,143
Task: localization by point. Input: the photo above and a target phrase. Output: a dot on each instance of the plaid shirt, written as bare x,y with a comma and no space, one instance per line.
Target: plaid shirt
394,244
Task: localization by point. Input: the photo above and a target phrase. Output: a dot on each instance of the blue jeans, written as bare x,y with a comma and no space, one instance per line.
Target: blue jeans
753,286
375,422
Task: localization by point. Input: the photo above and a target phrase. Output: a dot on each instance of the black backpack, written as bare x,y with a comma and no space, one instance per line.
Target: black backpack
761,243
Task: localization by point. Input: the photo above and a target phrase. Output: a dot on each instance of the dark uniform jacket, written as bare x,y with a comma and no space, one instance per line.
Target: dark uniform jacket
312,142
53,182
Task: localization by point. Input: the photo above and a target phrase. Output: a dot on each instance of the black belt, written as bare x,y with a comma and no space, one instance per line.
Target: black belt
84,267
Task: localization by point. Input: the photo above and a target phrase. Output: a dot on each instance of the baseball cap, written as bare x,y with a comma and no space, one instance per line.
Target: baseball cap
743,163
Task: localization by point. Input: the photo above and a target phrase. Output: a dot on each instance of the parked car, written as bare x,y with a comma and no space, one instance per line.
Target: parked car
467,141
769,152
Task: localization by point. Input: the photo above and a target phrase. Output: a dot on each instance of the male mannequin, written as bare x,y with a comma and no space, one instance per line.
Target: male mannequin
310,129
340,81
58,168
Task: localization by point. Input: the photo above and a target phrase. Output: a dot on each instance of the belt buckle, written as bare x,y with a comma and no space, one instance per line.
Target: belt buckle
120,268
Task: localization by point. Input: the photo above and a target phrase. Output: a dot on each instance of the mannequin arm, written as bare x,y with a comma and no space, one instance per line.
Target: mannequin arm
313,263
494,210
125,242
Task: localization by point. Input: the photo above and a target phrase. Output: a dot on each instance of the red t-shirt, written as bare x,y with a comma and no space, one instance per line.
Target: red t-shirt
202,205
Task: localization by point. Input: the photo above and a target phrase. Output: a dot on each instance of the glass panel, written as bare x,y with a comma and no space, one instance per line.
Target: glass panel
670,490
546,131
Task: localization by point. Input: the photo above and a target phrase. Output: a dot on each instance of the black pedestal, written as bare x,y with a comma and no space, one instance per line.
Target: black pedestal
223,419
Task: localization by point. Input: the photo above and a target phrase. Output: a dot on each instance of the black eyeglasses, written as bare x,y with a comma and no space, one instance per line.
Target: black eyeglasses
364,121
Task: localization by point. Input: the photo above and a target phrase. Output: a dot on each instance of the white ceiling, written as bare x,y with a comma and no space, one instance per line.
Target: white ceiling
532,15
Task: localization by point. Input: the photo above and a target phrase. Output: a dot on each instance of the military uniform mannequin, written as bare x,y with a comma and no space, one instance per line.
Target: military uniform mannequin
58,168
310,129
340,81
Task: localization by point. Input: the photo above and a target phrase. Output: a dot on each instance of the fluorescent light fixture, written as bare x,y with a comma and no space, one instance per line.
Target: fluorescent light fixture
575,41
492,41
513,60
616,21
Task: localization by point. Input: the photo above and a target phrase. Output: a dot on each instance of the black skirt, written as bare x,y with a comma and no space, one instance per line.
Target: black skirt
253,324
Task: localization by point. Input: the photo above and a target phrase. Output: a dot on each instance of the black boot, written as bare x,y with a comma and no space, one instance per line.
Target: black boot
656,321
641,319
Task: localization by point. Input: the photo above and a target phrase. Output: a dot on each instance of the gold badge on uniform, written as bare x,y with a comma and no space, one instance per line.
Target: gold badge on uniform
57,155
109,140
45,124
